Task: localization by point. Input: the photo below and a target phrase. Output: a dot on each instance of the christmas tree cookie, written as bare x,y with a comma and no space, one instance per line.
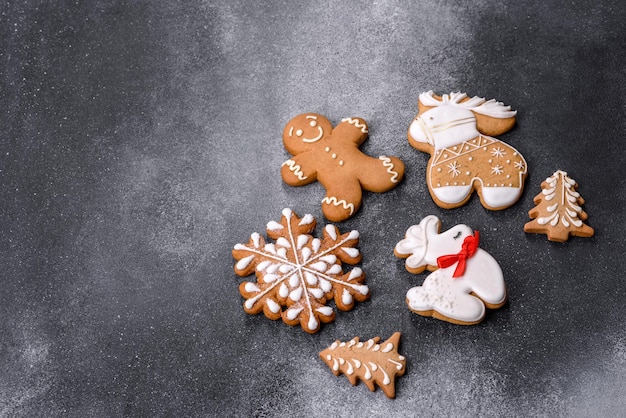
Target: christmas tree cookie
559,212
371,362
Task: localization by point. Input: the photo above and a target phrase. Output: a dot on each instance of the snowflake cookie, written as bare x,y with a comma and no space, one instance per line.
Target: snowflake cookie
559,212
368,361
299,272
465,279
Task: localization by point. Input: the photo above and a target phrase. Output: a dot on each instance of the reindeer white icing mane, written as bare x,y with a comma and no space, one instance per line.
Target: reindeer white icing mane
476,104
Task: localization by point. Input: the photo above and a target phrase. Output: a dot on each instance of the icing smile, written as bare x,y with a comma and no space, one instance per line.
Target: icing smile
317,138
313,124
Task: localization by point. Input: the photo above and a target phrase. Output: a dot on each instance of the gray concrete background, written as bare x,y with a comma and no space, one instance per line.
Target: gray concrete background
141,140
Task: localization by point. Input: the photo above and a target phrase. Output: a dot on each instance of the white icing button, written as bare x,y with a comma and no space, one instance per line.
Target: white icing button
334,156
470,158
327,149
340,162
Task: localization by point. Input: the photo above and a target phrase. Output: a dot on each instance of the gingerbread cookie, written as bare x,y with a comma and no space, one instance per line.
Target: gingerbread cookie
300,273
457,133
370,362
559,212
332,157
465,278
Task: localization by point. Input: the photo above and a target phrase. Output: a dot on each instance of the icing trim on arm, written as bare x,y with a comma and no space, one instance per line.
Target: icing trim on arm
356,123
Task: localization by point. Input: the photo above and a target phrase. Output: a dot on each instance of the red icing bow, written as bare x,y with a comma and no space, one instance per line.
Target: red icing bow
468,249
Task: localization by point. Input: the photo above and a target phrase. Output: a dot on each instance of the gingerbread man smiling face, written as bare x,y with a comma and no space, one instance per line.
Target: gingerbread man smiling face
332,157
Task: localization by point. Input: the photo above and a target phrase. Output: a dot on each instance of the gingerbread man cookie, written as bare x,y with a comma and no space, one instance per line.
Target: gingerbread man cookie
456,131
332,157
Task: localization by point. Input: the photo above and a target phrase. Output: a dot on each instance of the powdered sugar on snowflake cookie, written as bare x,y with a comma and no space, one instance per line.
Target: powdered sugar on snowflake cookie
298,274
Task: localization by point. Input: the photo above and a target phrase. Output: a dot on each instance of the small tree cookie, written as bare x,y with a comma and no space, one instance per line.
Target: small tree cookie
559,212
369,361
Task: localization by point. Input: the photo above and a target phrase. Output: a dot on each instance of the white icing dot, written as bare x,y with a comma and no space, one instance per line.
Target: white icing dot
471,158
334,156
313,123
327,149
341,162
299,132
439,169
273,306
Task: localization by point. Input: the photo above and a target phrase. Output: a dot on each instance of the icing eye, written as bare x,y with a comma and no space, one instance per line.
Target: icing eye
313,123
458,235
299,132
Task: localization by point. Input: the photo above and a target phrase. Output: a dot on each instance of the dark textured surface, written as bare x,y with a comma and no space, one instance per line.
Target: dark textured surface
140,141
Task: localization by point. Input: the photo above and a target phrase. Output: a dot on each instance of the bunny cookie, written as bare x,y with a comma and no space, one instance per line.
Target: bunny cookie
464,280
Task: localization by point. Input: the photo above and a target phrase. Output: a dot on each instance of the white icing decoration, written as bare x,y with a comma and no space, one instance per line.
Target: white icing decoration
285,268
332,200
330,259
476,104
325,310
251,287
390,168
295,169
346,297
335,269
387,348
325,285
302,240
319,266
263,265
306,220
273,306
274,226
316,292
292,313
244,262
368,374
296,294
355,273
397,364
330,230
313,324
355,122
310,278
352,252
294,281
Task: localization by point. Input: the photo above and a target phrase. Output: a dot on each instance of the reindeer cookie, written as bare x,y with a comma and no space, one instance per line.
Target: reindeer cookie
332,157
465,278
456,131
